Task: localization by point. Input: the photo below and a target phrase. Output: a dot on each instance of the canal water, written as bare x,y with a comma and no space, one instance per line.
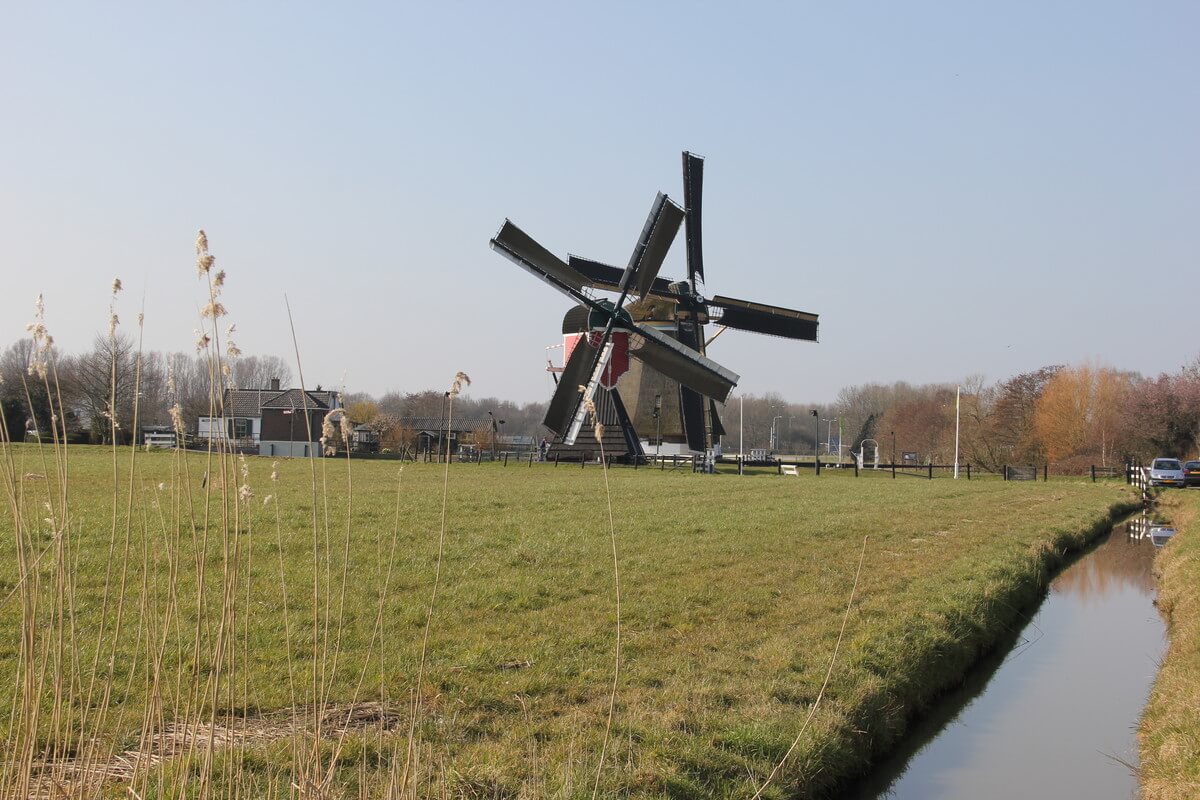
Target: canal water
1053,712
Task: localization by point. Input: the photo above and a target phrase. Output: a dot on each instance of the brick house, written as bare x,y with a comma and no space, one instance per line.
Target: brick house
271,422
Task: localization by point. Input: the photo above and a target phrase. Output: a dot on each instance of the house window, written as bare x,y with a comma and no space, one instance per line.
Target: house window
239,428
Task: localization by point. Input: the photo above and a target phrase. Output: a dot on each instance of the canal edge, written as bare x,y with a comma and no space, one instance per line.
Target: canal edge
1019,601
1169,730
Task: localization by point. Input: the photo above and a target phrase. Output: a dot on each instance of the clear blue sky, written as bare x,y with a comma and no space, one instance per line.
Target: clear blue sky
957,188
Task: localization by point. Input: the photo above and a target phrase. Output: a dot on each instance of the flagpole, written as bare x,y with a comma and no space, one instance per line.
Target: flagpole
957,400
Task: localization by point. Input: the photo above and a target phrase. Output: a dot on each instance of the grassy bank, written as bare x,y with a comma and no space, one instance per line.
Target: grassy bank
266,633
1170,729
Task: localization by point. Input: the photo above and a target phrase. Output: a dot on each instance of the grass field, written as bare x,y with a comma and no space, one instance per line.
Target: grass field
269,644
1170,729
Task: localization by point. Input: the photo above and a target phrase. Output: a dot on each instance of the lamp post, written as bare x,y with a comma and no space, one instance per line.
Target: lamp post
492,416
442,423
775,432
657,426
816,433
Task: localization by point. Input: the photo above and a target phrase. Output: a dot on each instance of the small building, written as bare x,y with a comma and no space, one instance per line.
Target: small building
159,436
364,439
272,421
431,433
291,422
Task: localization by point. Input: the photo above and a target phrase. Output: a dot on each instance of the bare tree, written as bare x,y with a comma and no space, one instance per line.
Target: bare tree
102,384
257,372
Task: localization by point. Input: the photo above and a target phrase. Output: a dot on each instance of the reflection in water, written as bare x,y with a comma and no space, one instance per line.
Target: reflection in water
1148,527
1054,716
1123,561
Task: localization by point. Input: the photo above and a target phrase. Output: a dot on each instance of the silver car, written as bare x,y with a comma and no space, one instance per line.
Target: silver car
1167,472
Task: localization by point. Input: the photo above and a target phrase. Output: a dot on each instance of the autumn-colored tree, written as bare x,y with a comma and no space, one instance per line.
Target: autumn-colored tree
394,436
1110,413
1000,429
1079,413
1061,417
362,411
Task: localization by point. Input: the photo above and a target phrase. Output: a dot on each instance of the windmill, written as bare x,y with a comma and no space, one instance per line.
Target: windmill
662,328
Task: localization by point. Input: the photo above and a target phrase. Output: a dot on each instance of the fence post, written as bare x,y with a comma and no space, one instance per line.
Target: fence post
531,460
662,464
1093,473
818,463
582,460
741,469
968,472
506,458
893,470
1006,472
856,467
1045,473
779,467
930,470
556,459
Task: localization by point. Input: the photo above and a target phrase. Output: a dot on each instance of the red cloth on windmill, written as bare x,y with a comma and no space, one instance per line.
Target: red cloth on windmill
618,363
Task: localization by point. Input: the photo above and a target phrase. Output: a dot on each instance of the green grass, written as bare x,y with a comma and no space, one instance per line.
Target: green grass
733,596
1170,728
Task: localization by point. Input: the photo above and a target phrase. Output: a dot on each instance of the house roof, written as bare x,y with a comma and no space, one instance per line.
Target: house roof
295,398
435,424
247,402
251,402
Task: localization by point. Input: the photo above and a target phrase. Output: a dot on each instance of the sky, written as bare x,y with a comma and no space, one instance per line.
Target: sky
958,189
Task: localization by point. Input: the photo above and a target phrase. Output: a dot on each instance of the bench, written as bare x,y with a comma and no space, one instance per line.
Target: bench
788,469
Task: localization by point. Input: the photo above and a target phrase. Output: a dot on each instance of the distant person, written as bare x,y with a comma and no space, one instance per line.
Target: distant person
544,449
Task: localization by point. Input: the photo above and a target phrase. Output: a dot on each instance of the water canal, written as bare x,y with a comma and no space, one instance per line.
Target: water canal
1053,712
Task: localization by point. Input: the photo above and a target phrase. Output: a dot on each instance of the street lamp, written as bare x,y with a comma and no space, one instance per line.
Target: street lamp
657,426
775,432
816,433
495,428
442,423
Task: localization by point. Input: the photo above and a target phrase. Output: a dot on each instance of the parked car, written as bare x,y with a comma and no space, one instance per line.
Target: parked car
1191,473
1167,472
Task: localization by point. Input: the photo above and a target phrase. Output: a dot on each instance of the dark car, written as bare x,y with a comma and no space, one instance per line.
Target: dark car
1191,473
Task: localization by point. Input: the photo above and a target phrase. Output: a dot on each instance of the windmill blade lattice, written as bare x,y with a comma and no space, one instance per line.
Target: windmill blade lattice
677,354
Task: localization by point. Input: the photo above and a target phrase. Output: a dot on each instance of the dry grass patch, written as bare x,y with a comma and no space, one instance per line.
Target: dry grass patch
1170,729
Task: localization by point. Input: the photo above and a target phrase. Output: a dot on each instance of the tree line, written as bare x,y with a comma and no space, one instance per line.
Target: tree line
104,382
113,374
1071,416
